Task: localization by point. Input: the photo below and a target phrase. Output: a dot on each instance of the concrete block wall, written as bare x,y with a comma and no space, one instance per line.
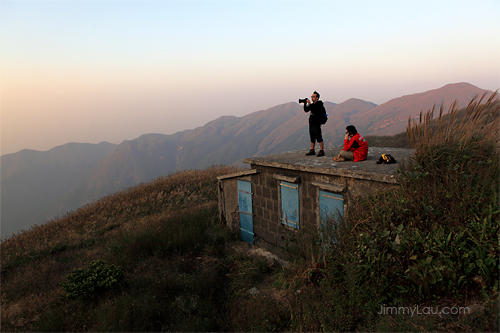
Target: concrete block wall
269,232
266,209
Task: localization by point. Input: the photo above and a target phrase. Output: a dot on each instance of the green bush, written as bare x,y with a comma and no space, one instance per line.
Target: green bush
433,240
436,236
87,284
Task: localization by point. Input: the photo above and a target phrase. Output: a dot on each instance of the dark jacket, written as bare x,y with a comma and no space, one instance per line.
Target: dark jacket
317,112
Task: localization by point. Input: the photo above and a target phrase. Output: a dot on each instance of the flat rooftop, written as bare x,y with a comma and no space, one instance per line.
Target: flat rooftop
367,169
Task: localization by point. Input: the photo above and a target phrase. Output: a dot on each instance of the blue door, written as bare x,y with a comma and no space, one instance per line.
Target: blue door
246,212
331,209
290,204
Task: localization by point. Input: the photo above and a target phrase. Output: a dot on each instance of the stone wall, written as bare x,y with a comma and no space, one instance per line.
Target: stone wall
228,197
269,232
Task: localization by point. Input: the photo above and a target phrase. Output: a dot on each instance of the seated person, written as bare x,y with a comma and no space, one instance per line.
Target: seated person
355,146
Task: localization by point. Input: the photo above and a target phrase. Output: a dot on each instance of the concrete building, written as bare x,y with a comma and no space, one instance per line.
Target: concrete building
283,193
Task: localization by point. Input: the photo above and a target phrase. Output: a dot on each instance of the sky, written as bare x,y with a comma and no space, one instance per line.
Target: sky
92,71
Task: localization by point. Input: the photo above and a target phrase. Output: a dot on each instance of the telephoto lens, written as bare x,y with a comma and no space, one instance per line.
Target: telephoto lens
302,100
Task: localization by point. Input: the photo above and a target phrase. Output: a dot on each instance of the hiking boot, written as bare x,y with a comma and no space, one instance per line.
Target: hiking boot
321,153
311,152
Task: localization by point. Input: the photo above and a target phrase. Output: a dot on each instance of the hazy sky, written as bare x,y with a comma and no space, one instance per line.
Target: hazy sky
91,71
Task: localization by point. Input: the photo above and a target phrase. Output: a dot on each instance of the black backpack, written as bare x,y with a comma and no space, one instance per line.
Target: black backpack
386,159
325,119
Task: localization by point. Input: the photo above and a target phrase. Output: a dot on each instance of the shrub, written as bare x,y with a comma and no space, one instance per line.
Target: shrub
438,234
87,284
432,240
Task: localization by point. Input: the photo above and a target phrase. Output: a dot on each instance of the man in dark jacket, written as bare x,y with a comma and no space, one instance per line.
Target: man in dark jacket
316,119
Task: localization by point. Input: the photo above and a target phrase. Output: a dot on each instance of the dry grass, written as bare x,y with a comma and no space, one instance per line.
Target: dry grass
480,121
135,228
128,209
432,241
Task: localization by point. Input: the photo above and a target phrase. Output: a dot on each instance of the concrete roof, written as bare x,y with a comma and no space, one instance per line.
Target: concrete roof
367,169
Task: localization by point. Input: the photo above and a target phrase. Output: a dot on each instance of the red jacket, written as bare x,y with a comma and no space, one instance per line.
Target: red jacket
359,147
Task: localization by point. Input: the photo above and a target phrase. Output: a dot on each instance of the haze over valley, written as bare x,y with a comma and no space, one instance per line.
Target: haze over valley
39,185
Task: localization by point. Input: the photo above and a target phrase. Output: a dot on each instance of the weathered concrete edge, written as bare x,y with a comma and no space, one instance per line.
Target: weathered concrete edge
238,174
287,178
327,171
329,187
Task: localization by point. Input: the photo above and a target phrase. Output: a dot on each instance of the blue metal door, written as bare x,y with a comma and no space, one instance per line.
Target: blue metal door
331,209
245,211
290,204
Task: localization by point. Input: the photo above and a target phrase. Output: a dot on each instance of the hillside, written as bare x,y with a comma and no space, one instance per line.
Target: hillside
50,191
155,257
157,232
32,181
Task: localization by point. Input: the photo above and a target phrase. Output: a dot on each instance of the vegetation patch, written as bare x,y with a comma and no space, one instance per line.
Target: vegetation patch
432,243
92,282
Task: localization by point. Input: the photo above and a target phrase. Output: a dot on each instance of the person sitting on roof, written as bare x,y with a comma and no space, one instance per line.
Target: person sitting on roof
355,146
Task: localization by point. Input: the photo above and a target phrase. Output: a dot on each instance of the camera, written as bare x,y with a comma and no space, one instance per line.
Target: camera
302,100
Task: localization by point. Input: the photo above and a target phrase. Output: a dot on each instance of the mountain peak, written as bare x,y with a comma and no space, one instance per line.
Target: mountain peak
392,117
459,84
356,102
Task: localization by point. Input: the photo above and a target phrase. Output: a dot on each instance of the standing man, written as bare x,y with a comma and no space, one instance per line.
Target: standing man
316,119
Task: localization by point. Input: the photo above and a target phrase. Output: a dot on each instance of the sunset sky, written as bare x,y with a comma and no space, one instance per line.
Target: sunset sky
92,71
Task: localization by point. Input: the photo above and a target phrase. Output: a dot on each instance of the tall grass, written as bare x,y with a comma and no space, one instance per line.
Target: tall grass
439,233
478,123
457,160
433,241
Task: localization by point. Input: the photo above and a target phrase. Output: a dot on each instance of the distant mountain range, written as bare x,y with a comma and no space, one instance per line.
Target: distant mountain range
37,186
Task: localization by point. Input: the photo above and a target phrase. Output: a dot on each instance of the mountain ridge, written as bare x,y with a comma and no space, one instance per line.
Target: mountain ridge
33,180
391,117
225,140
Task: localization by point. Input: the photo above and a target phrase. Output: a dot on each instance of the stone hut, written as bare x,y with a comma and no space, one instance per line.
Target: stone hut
283,193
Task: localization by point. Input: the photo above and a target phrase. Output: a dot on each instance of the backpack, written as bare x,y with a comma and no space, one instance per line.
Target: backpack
325,119
386,159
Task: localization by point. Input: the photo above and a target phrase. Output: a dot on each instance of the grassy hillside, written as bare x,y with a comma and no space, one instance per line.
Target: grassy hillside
433,243
397,141
155,258
176,267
